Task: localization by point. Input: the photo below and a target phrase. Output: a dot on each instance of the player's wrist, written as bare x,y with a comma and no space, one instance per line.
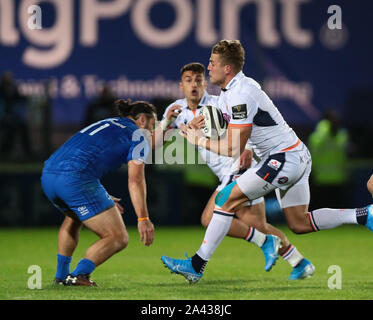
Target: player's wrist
142,219
202,142
166,122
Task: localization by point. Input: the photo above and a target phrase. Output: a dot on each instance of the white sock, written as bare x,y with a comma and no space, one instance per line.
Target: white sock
292,255
255,236
216,231
322,219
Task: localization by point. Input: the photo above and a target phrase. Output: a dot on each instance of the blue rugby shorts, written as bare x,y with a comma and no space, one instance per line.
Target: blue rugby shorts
85,197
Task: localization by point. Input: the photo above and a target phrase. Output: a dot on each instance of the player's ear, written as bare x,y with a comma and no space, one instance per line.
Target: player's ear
142,120
227,69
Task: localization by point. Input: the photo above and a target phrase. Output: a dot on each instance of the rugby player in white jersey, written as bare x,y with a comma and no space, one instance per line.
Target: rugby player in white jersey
285,163
252,215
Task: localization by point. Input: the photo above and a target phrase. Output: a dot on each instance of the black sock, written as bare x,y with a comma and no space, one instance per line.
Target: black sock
198,263
362,215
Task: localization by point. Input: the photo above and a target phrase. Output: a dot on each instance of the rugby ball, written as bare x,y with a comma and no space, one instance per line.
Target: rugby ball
215,124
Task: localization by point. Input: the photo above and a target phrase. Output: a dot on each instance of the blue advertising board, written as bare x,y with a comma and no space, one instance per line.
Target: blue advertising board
307,54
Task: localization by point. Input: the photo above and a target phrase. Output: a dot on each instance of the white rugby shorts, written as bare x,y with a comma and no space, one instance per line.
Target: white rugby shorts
287,172
227,179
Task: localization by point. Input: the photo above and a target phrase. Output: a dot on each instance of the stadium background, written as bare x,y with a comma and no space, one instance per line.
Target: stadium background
136,49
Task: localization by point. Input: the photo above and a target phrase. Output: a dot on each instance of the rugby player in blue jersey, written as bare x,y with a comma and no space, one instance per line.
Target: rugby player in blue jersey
71,181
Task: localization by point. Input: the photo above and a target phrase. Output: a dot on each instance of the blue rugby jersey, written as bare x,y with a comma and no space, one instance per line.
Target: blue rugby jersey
101,147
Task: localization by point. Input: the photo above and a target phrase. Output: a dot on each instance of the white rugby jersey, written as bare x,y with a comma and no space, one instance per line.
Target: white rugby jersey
220,165
246,104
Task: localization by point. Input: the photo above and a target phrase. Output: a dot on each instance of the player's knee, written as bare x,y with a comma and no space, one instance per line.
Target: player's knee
120,240
222,198
298,228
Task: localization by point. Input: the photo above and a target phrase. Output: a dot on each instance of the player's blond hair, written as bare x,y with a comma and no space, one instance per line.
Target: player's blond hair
231,53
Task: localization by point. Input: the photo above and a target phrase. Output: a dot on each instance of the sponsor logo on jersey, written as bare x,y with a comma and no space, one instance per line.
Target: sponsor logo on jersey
274,164
239,112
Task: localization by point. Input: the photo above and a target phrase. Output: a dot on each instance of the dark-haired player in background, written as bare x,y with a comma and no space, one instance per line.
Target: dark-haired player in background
71,181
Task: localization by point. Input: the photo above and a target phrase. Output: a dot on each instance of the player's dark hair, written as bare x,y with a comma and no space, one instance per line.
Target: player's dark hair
231,52
128,108
194,67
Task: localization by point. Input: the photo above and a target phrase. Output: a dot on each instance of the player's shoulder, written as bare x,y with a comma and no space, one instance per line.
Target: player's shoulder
209,99
246,89
249,84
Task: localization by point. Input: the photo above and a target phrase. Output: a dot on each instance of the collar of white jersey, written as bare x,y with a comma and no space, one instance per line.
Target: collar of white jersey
231,83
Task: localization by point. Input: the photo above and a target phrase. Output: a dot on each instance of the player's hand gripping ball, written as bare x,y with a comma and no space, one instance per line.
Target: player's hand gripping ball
215,124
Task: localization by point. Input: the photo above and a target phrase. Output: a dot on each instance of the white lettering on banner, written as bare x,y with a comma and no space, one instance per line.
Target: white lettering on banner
92,11
9,35
89,86
57,40
299,92
206,34
144,29
290,24
52,46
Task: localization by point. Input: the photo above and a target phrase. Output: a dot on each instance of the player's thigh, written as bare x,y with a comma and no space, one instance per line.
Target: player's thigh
296,195
230,198
84,197
252,185
208,210
108,223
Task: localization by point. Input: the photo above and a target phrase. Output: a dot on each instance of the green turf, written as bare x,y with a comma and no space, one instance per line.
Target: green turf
236,270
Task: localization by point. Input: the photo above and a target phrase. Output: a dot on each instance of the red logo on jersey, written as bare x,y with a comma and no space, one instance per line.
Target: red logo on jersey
283,180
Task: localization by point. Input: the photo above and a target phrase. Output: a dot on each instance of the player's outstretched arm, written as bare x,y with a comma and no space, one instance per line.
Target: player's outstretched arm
137,190
158,133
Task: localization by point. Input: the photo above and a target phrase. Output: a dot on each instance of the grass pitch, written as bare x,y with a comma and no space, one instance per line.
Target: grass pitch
235,272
